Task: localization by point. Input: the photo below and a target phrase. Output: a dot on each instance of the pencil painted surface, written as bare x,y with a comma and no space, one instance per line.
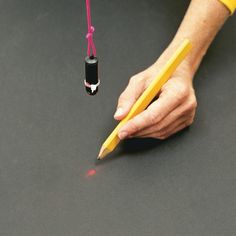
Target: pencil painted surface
50,131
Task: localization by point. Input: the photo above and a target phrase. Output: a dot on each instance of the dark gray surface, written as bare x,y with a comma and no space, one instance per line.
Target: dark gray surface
51,131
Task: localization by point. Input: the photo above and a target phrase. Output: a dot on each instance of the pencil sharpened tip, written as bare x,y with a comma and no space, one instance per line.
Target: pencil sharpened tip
103,152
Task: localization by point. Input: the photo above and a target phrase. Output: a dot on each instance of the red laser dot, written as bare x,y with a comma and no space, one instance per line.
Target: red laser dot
91,172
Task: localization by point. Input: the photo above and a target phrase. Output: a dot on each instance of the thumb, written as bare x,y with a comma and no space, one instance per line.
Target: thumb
129,96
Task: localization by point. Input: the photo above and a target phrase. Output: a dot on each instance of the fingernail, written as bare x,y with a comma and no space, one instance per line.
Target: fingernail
123,134
119,112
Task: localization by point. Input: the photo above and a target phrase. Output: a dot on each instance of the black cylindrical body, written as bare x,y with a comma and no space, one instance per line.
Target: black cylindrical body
91,74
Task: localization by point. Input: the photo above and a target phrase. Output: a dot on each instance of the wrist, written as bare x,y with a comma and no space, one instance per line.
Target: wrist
200,25
193,59
187,67
184,71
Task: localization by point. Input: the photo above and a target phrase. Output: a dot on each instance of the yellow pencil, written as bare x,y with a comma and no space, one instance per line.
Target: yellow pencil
148,95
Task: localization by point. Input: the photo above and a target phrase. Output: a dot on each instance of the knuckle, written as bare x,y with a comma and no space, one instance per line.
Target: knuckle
121,99
135,79
132,79
180,93
151,117
191,106
134,127
183,91
193,103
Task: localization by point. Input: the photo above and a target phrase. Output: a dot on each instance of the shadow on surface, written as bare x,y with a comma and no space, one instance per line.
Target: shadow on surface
134,146
139,145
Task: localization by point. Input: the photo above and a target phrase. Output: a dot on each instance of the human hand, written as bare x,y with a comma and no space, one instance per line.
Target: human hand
172,111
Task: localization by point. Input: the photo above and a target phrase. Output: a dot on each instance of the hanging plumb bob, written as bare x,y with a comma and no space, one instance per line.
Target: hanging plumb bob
91,75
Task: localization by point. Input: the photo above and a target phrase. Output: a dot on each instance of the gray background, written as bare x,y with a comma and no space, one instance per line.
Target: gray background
51,131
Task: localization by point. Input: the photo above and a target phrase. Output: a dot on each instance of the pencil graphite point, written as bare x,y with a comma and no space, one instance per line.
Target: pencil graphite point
103,152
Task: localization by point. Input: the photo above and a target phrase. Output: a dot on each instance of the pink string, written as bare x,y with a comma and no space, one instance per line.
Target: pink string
91,30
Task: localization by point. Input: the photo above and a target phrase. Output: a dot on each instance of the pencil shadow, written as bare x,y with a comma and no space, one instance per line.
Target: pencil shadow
138,145
134,146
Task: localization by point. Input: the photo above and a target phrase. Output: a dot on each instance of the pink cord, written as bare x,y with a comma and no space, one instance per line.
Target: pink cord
91,30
